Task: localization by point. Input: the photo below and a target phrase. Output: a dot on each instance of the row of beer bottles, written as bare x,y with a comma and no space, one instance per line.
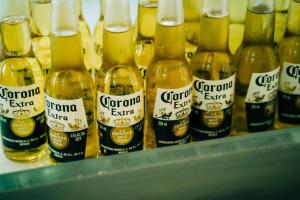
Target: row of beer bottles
39,12
173,113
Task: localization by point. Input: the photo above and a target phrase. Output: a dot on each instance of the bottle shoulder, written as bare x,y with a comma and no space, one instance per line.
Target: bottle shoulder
119,80
21,71
289,50
169,74
212,62
69,84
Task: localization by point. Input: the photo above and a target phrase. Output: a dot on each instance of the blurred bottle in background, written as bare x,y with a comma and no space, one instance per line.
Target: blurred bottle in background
86,38
281,7
39,21
98,39
237,14
192,15
147,13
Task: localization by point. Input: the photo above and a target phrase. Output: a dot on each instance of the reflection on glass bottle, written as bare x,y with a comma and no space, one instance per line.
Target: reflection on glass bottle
22,107
169,79
289,54
258,71
214,74
39,21
86,38
147,12
70,91
98,39
192,15
120,95
237,14
281,7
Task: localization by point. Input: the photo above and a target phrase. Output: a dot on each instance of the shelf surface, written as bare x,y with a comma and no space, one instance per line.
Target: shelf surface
258,166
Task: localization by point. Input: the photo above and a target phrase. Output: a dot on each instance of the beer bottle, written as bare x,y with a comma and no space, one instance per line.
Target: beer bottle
169,79
22,105
257,71
214,74
120,91
289,54
69,90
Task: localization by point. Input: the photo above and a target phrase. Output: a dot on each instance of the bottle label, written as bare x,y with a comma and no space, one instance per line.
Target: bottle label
289,94
22,116
171,115
68,127
212,107
121,122
260,100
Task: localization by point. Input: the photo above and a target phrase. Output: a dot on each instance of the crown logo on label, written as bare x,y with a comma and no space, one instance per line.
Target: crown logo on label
21,114
122,122
57,126
214,106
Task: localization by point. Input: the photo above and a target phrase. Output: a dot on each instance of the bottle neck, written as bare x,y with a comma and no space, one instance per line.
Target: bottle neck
293,24
66,49
214,28
118,42
170,34
260,22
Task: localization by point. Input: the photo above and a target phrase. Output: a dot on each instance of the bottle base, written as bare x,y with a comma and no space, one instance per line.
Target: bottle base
30,155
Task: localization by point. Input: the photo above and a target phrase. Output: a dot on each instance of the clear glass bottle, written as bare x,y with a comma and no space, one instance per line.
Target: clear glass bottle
169,79
289,54
281,7
214,74
39,21
98,39
192,16
120,91
237,14
147,12
22,105
69,90
257,71
86,38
